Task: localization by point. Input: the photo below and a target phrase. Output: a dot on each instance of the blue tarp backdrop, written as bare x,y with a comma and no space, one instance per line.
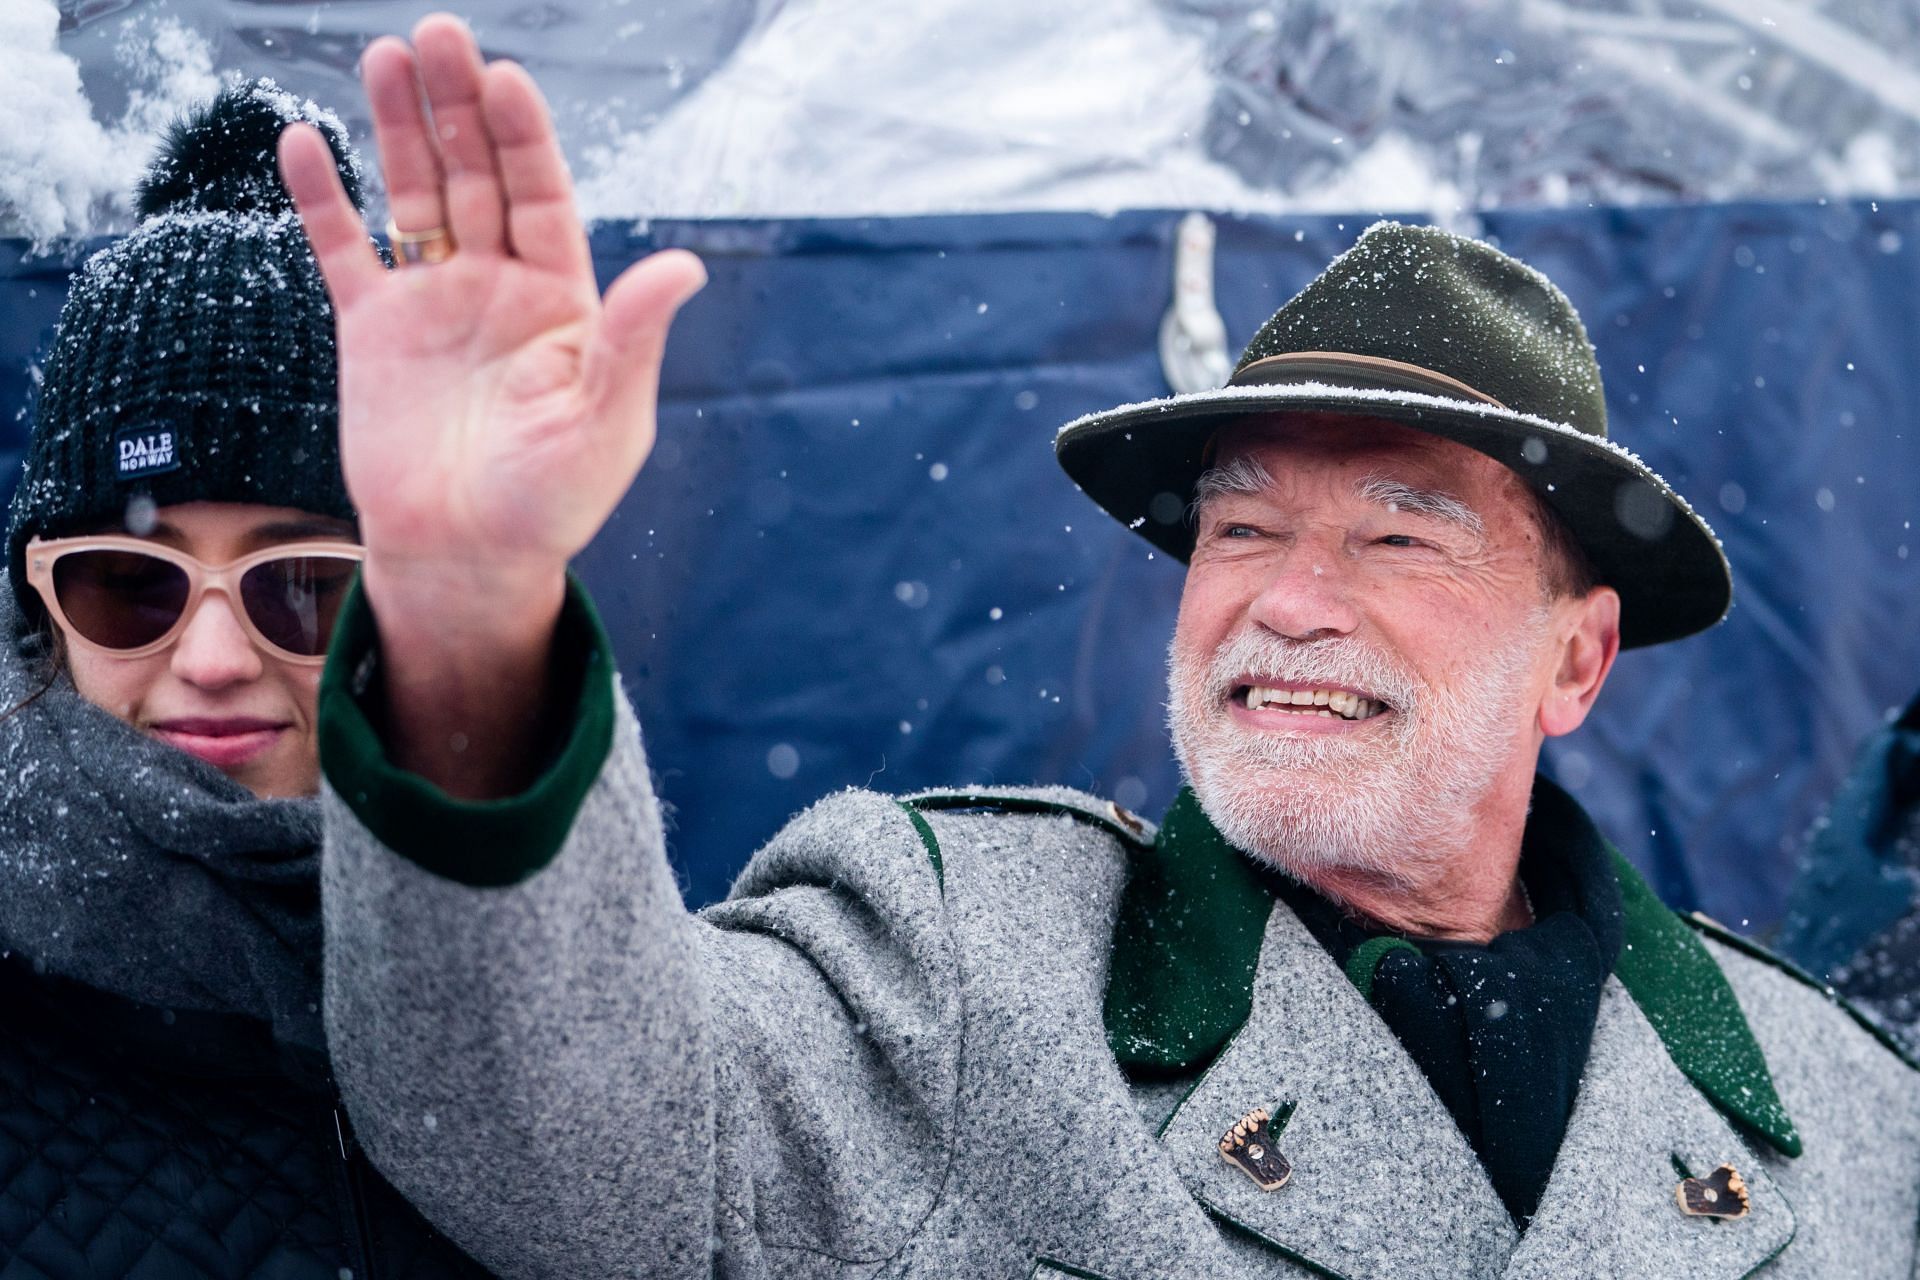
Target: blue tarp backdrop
852,559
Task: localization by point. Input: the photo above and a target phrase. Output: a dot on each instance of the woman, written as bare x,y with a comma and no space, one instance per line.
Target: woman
179,544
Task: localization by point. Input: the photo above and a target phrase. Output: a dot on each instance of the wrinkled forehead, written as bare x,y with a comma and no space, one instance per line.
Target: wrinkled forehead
1359,449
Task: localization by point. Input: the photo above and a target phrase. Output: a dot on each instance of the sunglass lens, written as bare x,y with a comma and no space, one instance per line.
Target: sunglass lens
119,599
294,600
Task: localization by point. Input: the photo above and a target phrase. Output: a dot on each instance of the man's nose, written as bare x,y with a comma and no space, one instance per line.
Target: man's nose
215,651
1309,596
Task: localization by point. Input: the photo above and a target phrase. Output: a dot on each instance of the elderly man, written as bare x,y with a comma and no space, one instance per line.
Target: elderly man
1374,1000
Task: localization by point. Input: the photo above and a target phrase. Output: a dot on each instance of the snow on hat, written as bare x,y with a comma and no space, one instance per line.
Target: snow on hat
1449,336
194,360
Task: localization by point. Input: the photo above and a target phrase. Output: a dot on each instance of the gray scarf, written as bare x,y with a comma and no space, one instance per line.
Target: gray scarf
137,869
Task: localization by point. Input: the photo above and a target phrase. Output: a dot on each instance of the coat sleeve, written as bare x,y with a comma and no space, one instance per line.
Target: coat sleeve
570,1074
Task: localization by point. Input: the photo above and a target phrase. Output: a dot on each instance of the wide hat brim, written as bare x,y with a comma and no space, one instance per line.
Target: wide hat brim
1140,462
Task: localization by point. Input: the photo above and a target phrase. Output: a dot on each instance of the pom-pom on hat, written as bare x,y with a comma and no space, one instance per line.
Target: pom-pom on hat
194,360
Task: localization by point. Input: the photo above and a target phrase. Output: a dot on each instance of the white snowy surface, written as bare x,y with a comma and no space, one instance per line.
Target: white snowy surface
761,108
844,107
62,171
55,159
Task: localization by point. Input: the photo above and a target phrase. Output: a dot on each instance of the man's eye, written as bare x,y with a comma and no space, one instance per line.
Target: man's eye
1400,540
1238,531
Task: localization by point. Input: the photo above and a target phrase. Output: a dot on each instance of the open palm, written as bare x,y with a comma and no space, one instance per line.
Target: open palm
493,406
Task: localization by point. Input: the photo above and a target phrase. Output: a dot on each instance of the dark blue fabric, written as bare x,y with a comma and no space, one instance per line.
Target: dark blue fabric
789,585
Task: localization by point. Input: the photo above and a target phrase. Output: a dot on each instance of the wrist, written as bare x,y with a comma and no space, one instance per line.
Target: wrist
466,661
475,616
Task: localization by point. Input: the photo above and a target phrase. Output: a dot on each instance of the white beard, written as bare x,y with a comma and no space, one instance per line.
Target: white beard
1394,800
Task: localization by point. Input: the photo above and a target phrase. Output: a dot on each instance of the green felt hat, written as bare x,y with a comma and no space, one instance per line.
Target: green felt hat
1447,335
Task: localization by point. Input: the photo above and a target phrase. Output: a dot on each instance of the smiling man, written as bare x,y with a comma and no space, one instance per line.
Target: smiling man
1374,1000
1360,654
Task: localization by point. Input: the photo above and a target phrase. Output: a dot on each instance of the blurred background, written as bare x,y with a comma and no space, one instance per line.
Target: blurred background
763,108
939,229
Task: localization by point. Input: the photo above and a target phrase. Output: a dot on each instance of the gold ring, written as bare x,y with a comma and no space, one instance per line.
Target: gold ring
435,244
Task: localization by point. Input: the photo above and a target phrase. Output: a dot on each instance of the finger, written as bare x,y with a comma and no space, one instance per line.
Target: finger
622,368
450,69
347,259
542,227
408,156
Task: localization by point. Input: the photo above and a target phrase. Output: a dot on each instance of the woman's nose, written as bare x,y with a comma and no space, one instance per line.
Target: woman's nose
215,651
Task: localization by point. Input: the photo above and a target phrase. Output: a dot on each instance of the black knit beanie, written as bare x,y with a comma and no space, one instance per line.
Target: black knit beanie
194,360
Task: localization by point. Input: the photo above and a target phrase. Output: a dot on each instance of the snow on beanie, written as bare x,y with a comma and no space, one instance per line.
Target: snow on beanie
194,360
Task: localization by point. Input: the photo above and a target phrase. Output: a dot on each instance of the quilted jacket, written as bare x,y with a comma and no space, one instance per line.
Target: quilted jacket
138,1142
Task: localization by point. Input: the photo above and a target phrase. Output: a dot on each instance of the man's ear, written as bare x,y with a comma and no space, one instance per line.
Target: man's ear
1589,631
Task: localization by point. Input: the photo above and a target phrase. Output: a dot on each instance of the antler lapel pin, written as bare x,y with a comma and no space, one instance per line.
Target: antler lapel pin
1249,1147
1721,1194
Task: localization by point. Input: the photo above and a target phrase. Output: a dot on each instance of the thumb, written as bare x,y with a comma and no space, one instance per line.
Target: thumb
624,356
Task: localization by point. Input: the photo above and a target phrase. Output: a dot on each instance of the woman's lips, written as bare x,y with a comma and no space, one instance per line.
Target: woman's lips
223,743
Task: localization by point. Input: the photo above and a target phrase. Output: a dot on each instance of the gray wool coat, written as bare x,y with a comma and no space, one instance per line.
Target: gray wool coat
887,1054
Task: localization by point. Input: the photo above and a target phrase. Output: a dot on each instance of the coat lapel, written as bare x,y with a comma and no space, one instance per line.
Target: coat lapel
1383,1183
1610,1207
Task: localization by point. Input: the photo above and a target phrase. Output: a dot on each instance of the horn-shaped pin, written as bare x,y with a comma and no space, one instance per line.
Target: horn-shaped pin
1721,1194
1249,1147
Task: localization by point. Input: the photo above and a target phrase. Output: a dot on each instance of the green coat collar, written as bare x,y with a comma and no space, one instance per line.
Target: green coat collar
1187,944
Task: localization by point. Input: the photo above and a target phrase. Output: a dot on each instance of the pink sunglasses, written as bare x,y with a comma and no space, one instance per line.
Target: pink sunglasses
130,598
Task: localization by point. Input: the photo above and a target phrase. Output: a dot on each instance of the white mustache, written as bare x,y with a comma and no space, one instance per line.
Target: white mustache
1351,664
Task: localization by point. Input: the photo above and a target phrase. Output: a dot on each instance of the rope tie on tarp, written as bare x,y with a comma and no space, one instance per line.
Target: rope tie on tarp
1193,337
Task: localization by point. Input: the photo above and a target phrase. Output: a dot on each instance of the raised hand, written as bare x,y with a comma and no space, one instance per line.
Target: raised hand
493,406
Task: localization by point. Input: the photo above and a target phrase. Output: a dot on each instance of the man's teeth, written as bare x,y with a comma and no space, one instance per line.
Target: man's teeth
1323,702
